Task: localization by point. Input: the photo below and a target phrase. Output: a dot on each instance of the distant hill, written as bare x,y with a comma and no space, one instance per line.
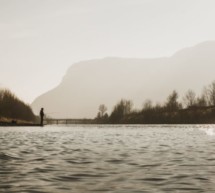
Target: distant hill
88,84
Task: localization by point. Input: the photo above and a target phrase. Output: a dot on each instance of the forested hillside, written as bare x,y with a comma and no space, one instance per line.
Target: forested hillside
12,108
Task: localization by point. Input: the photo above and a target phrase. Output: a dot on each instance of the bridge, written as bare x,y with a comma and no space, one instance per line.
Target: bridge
67,121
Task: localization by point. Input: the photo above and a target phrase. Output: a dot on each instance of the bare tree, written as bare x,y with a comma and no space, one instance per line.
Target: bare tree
201,101
211,92
121,109
102,110
189,98
172,102
147,105
204,100
128,106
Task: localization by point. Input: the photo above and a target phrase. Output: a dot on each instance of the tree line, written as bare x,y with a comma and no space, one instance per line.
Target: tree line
191,109
13,108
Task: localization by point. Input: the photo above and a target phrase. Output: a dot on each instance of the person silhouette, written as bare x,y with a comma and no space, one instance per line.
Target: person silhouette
41,116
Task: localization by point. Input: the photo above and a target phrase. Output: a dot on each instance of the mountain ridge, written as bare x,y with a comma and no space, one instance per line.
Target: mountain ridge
87,84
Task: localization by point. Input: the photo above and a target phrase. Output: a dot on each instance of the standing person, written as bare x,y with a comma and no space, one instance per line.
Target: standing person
41,116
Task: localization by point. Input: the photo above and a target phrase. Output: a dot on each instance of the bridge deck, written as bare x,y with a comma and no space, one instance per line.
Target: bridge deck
68,121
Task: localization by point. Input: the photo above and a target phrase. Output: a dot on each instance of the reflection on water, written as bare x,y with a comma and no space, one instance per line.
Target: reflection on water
119,159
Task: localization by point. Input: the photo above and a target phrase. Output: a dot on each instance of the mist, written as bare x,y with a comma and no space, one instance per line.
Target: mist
40,40
88,84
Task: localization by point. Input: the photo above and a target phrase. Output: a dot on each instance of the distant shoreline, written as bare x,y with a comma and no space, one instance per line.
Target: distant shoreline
9,124
116,124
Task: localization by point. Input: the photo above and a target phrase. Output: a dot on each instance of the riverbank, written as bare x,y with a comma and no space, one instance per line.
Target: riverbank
4,122
11,124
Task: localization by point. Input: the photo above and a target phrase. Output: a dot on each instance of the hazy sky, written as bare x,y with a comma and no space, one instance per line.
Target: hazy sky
40,39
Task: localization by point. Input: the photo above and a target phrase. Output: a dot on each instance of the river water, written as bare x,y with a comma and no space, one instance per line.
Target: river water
113,159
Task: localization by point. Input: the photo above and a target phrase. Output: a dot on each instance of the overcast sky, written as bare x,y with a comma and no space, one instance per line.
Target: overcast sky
40,39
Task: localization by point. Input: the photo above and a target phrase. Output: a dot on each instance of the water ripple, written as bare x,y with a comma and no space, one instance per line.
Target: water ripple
113,159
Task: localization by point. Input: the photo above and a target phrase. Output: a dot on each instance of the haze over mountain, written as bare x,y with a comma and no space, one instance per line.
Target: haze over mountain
88,84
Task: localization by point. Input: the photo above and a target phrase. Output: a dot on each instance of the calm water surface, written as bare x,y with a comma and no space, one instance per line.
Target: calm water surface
118,159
